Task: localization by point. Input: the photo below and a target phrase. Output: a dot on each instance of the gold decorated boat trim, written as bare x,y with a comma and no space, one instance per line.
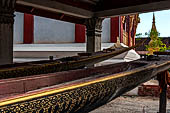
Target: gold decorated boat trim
70,87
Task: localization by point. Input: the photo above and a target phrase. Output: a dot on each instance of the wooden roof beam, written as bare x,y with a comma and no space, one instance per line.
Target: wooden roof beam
88,1
48,14
149,7
57,7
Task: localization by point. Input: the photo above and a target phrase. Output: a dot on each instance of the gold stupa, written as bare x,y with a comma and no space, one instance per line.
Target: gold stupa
154,43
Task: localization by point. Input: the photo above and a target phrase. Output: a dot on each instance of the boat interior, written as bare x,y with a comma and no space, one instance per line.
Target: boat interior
20,85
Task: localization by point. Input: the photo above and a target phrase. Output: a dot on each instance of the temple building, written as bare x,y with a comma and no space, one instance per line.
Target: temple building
152,41
73,84
29,29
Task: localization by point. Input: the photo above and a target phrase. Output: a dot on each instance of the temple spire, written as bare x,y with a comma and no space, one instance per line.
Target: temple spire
153,24
154,43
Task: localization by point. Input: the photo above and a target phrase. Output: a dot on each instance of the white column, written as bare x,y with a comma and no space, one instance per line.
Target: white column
94,29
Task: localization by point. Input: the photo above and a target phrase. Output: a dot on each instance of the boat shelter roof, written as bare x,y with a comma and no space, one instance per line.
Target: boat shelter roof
77,11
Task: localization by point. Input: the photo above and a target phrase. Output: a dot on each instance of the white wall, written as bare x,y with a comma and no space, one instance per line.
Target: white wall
18,28
53,31
106,30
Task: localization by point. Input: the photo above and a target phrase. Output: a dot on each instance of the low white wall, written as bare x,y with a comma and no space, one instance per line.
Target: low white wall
18,28
106,30
53,31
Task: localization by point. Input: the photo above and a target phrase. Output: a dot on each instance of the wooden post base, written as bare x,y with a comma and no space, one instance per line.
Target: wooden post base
163,81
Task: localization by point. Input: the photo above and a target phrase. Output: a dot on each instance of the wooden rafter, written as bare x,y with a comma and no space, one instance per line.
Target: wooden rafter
48,14
53,6
83,9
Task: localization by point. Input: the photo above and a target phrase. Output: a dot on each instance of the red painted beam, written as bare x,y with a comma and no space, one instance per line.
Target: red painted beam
80,33
114,29
28,29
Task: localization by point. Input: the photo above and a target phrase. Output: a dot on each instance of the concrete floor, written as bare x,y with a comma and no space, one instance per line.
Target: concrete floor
132,104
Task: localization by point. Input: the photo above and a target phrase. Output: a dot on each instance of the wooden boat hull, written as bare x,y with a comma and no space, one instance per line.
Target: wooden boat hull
63,64
85,94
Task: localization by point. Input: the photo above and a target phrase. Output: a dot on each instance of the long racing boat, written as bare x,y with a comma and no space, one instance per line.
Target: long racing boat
76,91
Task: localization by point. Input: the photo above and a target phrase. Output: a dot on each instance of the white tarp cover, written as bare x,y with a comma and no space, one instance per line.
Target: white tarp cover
127,56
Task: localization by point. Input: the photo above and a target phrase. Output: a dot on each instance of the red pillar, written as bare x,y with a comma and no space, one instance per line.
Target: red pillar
80,33
121,31
129,32
133,41
28,29
114,29
129,38
134,37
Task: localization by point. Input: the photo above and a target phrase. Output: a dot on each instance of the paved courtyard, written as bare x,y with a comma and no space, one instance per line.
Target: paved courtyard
132,104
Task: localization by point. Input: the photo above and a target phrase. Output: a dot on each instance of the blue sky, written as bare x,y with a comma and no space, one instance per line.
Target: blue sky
162,22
